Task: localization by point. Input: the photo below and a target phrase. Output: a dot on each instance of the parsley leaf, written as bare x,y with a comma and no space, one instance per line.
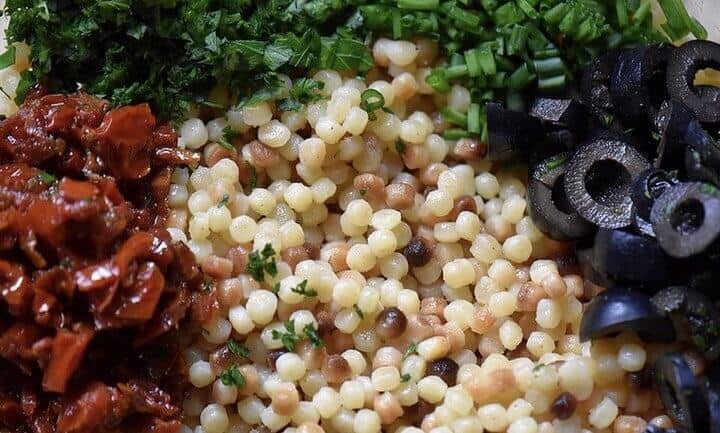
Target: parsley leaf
223,201
238,349
313,336
226,139
400,146
302,289
410,350
8,57
303,91
358,311
405,378
289,337
46,177
253,177
232,376
261,262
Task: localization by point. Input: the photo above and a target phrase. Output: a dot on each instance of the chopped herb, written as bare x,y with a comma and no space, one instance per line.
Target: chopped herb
288,338
223,201
400,146
411,349
66,263
261,262
275,288
303,91
232,376
699,342
253,177
536,370
207,286
358,311
226,140
302,289
370,101
238,349
8,57
405,378
362,192
313,336
46,177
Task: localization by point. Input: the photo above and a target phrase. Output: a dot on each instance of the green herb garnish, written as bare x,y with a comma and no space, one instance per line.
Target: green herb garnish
302,289
253,177
288,338
405,378
232,376
238,349
261,262
313,336
226,140
207,286
370,101
46,177
410,350
358,311
303,91
223,201
400,146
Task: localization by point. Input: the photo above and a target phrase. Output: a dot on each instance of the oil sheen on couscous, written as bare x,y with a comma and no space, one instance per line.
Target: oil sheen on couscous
374,276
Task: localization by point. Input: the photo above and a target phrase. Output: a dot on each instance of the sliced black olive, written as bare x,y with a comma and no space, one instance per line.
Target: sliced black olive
595,85
686,218
584,254
695,318
637,83
549,207
618,310
647,188
683,65
510,133
670,124
598,180
628,257
652,428
681,394
560,113
562,139
713,398
698,168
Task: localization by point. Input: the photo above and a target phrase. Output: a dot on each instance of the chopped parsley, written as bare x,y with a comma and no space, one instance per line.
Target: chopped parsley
232,376
358,311
227,137
289,338
238,349
302,289
303,91
405,378
410,350
66,263
400,146
223,201
262,262
253,177
313,336
46,177
207,286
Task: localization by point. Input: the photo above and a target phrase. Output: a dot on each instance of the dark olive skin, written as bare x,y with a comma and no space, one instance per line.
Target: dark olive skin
684,63
681,394
618,310
510,133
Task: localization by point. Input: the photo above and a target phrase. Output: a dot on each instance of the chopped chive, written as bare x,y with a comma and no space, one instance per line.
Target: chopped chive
464,19
551,67
370,101
621,10
487,62
472,60
419,5
504,64
437,81
456,71
528,9
642,12
521,78
455,117
517,40
457,59
396,24
552,83
455,134
473,118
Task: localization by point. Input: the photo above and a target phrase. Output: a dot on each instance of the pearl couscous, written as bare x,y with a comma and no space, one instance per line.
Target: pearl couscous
397,282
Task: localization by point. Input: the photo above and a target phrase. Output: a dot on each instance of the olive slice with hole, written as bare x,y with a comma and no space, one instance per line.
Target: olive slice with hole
695,317
686,218
637,83
560,113
681,394
621,310
684,63
628,257
670,125
548,205
598,180
647,188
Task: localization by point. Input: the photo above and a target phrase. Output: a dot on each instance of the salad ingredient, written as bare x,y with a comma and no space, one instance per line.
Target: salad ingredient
683,66
685,217
646,189
90,279
598,178
681,393
595,84
627,257
510,133
635,80
619,310
549,206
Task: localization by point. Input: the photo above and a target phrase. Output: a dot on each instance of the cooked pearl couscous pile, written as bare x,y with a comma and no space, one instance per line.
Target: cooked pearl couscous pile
375,276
